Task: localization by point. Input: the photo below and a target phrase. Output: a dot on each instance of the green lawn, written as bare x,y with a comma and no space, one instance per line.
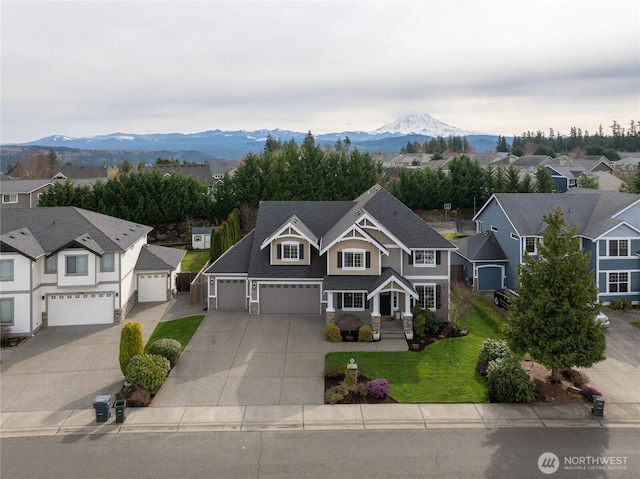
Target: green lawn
194,260
180,329
443,373
635,324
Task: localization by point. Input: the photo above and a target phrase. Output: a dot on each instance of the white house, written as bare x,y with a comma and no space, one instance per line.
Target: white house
68,266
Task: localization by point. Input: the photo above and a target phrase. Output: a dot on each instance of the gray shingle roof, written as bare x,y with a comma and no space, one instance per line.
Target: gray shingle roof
56,227
480,247
236,258
589,211
201,230
22,241
154,257
23,186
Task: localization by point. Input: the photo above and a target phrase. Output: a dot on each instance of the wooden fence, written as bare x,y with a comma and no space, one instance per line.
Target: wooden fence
194,283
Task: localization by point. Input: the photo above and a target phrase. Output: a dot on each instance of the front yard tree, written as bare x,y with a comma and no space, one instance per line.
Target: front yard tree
552,319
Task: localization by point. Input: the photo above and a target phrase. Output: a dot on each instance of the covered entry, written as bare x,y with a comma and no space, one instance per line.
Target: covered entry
232,293
289,298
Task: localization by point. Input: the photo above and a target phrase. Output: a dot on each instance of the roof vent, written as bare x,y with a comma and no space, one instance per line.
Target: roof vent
376,188
358,213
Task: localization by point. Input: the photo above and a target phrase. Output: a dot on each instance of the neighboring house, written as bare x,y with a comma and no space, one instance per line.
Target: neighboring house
607,223
207,173
627,164
22,193
479,261
80,172
201,237
565,177
530,163
371,257
65,266
566,171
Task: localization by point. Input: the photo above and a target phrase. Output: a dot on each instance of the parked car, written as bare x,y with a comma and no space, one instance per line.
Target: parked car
603,320
501,297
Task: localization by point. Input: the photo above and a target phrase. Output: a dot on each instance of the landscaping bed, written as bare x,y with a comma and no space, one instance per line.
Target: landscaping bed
352,398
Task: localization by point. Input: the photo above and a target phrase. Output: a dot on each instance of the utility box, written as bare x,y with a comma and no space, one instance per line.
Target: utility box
102,404
120,406
598,406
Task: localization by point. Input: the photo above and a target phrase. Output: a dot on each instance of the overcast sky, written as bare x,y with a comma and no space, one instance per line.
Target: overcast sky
91,68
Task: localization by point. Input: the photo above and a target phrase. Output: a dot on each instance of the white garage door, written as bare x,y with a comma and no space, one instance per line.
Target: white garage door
73,309
152,287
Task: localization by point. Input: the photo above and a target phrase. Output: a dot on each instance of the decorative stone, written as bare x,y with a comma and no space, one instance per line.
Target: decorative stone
330,317
253,307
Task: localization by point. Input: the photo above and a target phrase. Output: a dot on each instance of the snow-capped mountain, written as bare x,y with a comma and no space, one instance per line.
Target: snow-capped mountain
422,124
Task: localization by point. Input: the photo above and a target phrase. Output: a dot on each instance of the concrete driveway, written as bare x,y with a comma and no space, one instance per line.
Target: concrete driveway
233,359
618,376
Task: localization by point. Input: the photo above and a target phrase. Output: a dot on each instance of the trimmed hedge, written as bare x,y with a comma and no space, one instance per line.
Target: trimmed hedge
147,371
332,333
170,349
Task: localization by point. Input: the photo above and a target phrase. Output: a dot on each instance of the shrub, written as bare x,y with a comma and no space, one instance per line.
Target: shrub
616,304
333,395
627,304
332,333
481,368
147,371
359,389
432,323
139,398
170,349
491,350
131,343
418,324
577,378
588,392
365,334
508,382
333,371
378,387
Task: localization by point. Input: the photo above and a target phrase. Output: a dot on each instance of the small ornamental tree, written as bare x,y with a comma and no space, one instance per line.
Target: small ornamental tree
552,319
131,343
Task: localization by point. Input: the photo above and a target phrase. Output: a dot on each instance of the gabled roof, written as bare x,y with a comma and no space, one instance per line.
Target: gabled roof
296,224
23,186
154,257
532,160
236,258
80,171
56,227
591,212
23,242
571,172
480,247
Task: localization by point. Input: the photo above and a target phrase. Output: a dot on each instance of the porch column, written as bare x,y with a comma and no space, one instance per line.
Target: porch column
407,317
375,317
330,312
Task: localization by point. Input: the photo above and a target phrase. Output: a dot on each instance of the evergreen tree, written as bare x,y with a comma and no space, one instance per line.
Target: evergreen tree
544,181
552,318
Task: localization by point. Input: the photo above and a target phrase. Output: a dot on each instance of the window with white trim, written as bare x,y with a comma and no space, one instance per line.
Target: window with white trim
6,311
530,245
353,259
51,265
353,301
6,270
107,262
426,296
424,257
197,238
619,247
290,251
7,199
77,265
619,282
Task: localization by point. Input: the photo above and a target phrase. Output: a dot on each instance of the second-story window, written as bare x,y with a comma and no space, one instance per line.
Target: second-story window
106,262
424,257
530,245
51,265
618,247
290,251
6,270
77,265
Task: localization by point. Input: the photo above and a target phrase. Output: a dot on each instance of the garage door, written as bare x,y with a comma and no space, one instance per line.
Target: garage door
152,287
489,278
80,308
232,294
290,298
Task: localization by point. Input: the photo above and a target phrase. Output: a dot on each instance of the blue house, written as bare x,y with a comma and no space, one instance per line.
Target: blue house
607,223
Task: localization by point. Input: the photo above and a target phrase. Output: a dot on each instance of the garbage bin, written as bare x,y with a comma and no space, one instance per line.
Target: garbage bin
120,407
598,406
102,404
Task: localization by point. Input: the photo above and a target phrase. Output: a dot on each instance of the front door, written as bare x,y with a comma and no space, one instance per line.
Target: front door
385,304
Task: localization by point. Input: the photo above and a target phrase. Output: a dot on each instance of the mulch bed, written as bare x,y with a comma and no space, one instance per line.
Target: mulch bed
356,398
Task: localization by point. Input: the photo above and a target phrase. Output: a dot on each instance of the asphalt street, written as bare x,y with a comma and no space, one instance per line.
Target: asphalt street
438,453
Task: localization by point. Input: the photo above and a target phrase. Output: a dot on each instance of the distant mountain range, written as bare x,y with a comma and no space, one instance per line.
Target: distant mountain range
235,144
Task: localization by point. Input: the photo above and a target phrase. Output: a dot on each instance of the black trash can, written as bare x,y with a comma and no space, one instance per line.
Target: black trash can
102,404
598,406
120,406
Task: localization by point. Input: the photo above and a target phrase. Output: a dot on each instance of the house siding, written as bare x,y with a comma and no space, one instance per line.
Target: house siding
274,251
394,260
442,269
332,258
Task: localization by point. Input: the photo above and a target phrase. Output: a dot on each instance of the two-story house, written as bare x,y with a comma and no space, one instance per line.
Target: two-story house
607,224
371,257
22,193
68,266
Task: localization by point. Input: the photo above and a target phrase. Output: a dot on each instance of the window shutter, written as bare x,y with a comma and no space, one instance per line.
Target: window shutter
367,259
366,303
301,250
279,250
339,300
339,259
438,256
438,296
410,261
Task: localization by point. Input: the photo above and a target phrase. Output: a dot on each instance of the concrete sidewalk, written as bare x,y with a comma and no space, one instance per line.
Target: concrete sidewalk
317,417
